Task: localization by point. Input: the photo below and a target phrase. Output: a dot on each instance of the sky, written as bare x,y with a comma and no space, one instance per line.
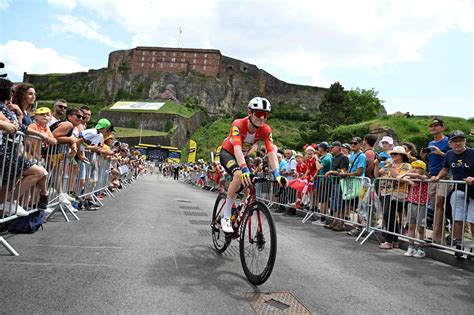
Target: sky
418,55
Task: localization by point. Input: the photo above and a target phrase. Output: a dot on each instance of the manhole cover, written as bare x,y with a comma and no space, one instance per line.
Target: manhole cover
185,201
276,302
195,213
189,207
205,233
200,222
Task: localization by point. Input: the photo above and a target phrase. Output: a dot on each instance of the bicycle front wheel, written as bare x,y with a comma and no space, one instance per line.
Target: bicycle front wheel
258,243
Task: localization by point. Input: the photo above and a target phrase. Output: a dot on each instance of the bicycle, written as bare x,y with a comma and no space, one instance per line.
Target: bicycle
257,235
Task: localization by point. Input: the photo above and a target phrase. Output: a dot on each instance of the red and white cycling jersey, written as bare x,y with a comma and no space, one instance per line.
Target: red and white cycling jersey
239,135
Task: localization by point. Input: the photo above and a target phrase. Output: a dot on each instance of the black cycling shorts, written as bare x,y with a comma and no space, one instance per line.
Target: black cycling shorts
229,162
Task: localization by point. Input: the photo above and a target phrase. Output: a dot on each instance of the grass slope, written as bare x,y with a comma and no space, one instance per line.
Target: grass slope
133,132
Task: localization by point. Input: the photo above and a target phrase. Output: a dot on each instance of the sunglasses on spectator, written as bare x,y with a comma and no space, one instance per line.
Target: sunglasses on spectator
392,154
261,114
354,143
80,116
62,107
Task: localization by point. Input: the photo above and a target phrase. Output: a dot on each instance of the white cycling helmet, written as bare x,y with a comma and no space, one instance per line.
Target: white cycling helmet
260,103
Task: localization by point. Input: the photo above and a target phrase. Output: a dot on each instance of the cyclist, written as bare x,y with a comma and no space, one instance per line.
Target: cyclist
244,133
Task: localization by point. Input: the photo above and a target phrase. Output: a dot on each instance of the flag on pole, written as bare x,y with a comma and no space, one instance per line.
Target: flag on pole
192,151
180,30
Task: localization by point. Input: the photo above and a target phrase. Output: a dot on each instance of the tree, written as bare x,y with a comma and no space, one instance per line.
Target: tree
363,105
334,105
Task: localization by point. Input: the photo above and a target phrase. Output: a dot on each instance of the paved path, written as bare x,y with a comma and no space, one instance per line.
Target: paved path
140,253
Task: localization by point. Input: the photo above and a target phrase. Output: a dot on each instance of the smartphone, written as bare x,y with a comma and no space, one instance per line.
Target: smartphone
382,158
425,150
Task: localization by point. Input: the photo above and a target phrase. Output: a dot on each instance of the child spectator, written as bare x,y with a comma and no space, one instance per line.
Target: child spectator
417,200
40,125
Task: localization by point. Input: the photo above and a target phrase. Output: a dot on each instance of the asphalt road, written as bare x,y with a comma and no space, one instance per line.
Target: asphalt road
140,253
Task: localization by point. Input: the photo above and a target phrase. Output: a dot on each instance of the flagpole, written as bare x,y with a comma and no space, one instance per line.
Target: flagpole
141,130
179,35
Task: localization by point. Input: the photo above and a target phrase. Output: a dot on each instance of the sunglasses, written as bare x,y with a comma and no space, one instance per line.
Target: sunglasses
79,116
62,107
392,154
261,114
354,143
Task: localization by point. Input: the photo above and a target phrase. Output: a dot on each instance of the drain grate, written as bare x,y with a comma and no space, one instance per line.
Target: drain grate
205,233
195,213
274,302
189,207
182,200
200,222
277,304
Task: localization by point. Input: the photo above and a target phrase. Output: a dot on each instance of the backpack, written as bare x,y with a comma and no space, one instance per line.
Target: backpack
29,224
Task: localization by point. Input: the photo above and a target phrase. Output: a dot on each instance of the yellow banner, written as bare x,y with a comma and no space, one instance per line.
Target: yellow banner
217,157
192,151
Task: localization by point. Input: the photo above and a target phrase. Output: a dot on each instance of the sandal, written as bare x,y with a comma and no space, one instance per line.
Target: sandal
385,245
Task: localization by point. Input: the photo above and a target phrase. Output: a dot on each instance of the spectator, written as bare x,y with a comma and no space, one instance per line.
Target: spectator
368,148
29,174
290,174
357,168
86,111
410,148
24,95
346,149
460,163
386,144
281,163
392,193
434,154
340,164
59,111
321,184
42,117
417,200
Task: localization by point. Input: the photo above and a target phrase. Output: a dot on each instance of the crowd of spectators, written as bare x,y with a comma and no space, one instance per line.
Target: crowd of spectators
407,189
41,148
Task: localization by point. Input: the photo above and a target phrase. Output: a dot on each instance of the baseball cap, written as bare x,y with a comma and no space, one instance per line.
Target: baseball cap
323,145
347,146
103,123
456,134
437,121
42,110
356,139
336,144
420,164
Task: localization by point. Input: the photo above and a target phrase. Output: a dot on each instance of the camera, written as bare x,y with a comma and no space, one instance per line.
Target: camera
425,150
116,143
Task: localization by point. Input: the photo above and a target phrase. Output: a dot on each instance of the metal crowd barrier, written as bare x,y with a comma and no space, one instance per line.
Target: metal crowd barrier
400,211
66,175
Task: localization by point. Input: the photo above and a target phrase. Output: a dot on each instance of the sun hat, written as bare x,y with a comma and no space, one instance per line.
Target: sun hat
419,164
386,139
310,147
42,110
399,150
299,154
103,123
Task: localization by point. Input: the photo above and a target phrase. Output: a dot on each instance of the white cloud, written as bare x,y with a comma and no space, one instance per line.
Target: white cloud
4,4
22,56
302,38
68,5
85,28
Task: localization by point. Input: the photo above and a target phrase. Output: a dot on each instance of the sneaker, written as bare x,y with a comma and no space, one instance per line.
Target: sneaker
420,253
410,252
318,222
458,245
226,225
354,232
43,202
21,212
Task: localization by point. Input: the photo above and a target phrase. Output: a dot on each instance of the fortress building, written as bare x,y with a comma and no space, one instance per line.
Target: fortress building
144,60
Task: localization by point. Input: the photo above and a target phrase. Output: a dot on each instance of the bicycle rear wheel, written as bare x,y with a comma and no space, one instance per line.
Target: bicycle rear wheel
220,240
258,243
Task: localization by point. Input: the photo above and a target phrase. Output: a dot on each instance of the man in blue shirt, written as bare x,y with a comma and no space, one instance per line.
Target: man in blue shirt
357,167
460,162
434,155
